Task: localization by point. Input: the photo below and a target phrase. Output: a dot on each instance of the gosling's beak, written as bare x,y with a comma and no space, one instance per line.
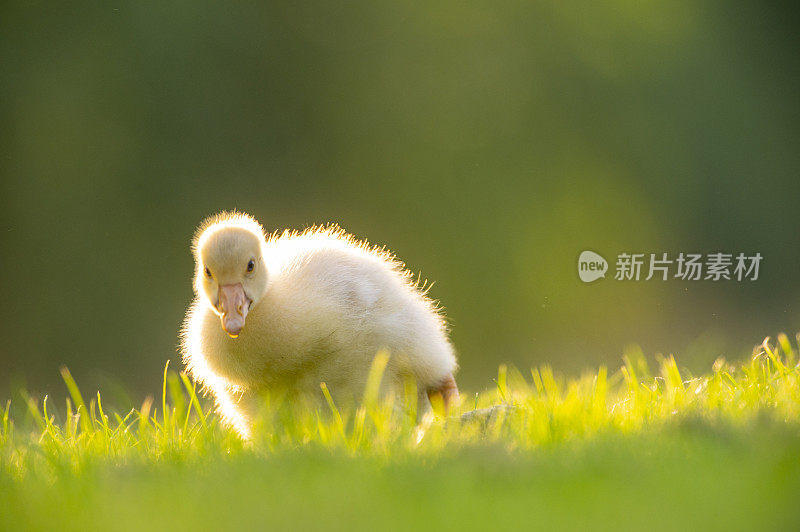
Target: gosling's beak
233,307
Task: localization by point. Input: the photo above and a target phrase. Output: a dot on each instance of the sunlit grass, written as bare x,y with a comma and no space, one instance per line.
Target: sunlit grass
727,441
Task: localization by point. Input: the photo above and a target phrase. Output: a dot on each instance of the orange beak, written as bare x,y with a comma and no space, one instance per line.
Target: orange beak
233,306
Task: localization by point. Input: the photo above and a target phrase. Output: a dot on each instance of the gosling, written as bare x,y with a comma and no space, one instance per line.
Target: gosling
293,310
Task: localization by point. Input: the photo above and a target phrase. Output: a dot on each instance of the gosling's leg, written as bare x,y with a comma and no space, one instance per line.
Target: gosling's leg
444,393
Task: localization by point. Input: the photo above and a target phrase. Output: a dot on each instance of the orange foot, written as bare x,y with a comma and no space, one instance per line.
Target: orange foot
444,394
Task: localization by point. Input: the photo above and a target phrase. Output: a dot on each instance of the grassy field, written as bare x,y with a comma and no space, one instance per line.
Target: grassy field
626,449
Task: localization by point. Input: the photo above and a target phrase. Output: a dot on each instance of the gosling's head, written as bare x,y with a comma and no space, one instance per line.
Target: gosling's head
230,274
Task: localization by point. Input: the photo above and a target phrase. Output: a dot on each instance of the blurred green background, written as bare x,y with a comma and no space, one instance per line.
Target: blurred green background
486,144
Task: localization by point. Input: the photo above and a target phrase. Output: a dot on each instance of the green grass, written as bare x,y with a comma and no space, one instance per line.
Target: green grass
610,450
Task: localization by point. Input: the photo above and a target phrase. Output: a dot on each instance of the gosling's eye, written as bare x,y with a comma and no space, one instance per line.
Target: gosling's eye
208,272
251,266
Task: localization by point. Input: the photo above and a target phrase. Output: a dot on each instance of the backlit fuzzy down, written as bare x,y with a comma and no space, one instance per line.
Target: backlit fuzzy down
323,304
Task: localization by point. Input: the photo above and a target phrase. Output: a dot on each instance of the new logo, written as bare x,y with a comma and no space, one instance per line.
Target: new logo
591,266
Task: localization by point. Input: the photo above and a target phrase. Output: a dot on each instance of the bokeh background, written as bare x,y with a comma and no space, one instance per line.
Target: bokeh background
487,144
